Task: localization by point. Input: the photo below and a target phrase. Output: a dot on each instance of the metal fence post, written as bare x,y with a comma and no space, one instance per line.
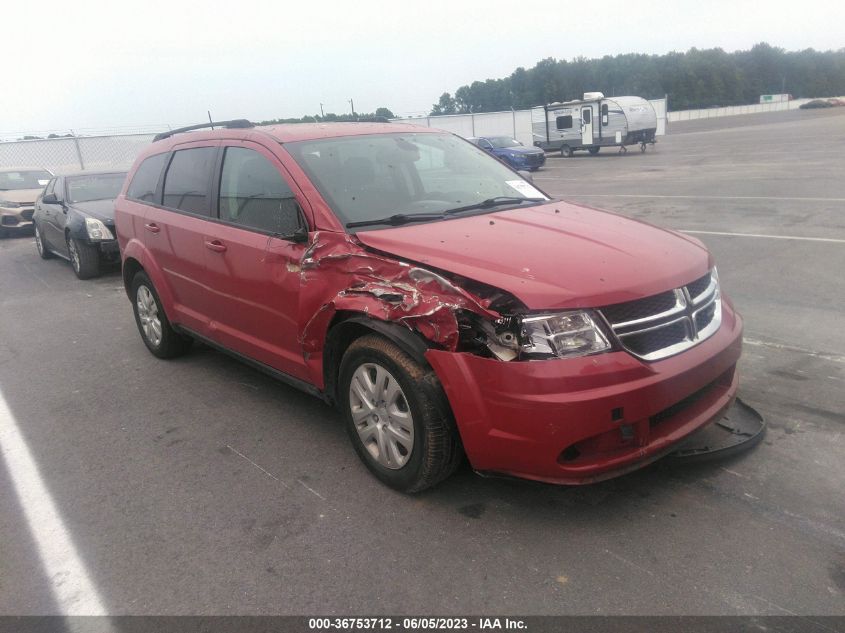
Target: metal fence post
78,150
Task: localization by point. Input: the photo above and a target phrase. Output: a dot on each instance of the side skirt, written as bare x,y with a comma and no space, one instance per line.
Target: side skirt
266,369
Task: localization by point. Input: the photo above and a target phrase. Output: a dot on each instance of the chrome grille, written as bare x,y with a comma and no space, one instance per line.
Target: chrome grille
665,324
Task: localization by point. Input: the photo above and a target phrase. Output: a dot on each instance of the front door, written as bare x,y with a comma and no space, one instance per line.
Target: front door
55,215
253,259
586,125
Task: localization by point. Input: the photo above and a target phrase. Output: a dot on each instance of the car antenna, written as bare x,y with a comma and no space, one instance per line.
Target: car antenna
209,119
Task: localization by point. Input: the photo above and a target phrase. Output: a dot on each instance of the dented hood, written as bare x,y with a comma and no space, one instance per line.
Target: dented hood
557,255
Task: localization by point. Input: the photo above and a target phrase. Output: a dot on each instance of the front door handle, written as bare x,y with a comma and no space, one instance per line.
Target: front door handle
152,227
215,245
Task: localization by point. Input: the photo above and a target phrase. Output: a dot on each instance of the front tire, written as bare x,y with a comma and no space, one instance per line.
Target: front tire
43,250
397,416
156,332
85,258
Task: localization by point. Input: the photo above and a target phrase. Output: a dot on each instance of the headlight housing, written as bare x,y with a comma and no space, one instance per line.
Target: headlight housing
562,335
97,230
8,204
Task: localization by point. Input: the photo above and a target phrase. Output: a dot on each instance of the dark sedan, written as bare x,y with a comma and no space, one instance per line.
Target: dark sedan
74,219
512,152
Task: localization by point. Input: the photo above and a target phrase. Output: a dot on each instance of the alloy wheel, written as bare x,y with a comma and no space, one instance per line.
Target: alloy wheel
74,255
148,315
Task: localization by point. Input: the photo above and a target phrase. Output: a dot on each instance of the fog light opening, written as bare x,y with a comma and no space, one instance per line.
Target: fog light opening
569,454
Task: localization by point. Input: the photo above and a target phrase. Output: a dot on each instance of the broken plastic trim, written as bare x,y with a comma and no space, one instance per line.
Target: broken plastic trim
738,430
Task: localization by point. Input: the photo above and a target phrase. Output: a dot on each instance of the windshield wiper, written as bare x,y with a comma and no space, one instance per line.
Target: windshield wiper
397,219
403,218
493,202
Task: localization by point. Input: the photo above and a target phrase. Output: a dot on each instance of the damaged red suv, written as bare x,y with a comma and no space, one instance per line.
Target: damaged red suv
446,305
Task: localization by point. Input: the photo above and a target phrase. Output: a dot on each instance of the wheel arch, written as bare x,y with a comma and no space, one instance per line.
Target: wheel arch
346,327
131,267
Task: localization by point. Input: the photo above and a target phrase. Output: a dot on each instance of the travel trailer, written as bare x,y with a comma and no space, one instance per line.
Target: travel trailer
594,122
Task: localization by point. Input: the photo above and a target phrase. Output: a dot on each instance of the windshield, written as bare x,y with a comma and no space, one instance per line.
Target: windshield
24,179
503,141
364,178
94,187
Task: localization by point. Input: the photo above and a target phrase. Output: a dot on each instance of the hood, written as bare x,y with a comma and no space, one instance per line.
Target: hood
23,196
558,255
100,209
519,150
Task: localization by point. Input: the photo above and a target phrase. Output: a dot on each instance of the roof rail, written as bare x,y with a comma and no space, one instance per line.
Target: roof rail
234,123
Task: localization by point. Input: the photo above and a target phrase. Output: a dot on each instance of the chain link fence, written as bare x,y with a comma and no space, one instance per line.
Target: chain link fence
69,154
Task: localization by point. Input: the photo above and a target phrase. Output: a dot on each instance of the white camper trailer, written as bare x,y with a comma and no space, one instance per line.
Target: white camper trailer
594,122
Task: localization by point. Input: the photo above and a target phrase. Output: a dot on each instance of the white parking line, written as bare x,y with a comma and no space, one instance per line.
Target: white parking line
770,237
70,584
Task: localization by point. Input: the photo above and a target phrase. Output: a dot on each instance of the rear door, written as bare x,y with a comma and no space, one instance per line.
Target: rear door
253,258
174,229
586,125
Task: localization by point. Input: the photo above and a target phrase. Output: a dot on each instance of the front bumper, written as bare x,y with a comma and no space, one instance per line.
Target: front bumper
585,419
528,161
17,218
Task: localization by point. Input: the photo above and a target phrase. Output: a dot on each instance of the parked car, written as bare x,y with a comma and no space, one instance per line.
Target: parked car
444,304
74,219
19,186
511,152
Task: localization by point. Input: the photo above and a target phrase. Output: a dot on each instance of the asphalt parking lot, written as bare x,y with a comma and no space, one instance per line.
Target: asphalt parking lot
200,486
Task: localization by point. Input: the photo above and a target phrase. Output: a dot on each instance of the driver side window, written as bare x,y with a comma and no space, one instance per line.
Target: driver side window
254,195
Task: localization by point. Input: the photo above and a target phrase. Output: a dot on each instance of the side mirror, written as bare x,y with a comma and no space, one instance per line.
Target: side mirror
50,198
299,236
526,174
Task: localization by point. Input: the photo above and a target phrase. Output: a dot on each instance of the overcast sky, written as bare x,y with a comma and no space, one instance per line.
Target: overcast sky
81,64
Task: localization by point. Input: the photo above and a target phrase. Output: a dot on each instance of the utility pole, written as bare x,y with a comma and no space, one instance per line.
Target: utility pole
352,105
322,114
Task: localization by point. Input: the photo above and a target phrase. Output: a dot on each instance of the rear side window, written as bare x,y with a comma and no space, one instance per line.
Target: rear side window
564,122
188,178
253,194
145,180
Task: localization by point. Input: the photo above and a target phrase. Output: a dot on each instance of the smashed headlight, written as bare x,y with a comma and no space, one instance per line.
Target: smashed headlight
563,335
535,336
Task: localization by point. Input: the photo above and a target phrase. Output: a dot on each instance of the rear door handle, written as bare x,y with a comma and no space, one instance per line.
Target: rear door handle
215,245
152,227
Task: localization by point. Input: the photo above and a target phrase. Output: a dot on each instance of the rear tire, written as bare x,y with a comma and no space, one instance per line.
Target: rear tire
84,258
397,415
594,150
156,332
566,151
43,249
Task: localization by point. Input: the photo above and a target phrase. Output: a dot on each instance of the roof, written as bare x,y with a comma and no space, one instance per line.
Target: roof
94,172
5,170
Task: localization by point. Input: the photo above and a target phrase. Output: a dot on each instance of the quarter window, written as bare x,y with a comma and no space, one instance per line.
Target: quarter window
188,178
254,195
145,180
564,122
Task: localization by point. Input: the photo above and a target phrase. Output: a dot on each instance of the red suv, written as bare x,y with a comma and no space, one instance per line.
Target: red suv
445,304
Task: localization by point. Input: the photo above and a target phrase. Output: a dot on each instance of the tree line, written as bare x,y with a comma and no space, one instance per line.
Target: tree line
694,79
380,113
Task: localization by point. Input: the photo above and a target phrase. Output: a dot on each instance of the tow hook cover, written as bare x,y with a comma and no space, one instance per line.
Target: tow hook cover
740,428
